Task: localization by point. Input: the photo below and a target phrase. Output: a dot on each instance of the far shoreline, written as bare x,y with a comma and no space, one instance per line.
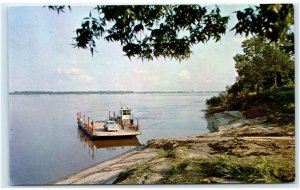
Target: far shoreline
109,92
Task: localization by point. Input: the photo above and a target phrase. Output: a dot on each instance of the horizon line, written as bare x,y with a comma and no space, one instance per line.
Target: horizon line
106,91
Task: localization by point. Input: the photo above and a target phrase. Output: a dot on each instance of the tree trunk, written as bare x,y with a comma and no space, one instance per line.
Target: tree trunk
257,88
274,68
275,80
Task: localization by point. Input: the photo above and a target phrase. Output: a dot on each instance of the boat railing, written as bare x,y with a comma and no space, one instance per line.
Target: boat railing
89,126
128,125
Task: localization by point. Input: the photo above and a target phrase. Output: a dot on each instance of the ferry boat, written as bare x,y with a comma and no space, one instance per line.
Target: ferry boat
120,126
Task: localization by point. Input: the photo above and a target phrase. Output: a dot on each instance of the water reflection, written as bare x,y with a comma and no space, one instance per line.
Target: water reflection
109,144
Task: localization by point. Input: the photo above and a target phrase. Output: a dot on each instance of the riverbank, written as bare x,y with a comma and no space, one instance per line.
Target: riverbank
240,150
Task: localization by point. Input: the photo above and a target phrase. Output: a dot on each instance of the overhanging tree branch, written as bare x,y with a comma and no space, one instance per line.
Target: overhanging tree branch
152,31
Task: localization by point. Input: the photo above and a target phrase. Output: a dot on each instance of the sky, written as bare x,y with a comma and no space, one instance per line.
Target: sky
41,58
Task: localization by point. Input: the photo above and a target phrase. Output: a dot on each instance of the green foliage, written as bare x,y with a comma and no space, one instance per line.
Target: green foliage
214,101
263,65
272,21
281,96
180,165
265,75
58,8
228,101
262,170
167,153
236,88
152,31
235,102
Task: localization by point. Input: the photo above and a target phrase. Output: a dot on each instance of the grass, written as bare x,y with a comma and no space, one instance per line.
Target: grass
227,167
125,174
179,167
167,153
178,173
260,171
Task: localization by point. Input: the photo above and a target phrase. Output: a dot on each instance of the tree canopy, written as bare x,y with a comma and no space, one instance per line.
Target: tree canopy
272,21
152,31
263,65
265,78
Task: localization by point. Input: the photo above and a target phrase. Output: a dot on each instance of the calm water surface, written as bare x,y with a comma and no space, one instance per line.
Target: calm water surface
45,142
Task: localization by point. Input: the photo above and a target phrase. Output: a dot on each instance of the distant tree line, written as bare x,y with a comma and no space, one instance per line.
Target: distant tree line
103,92
71,92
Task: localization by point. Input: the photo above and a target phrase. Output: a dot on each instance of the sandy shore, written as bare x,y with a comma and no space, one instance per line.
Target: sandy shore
178,160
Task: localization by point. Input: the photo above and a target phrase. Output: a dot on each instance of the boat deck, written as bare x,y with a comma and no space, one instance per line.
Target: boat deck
100,131
95,129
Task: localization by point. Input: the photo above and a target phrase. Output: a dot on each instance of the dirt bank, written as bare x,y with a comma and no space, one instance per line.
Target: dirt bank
239,151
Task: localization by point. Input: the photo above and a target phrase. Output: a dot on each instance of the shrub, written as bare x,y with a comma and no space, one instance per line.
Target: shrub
214,101
280,96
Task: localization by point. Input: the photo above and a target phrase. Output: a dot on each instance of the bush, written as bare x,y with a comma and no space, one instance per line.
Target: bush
280,96
214,101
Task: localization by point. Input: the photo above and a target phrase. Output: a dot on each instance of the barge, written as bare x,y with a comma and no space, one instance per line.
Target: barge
124,122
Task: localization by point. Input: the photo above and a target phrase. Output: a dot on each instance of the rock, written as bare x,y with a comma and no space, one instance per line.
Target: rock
234,114
217,180
217,120
106,172
152,178
161,167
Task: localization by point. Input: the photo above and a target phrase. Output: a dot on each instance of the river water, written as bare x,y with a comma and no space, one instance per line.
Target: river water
45,142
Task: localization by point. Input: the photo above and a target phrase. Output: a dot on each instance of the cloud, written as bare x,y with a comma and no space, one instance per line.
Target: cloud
146,76
70,70
185,75
74,72
86,78
140,71
154,79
